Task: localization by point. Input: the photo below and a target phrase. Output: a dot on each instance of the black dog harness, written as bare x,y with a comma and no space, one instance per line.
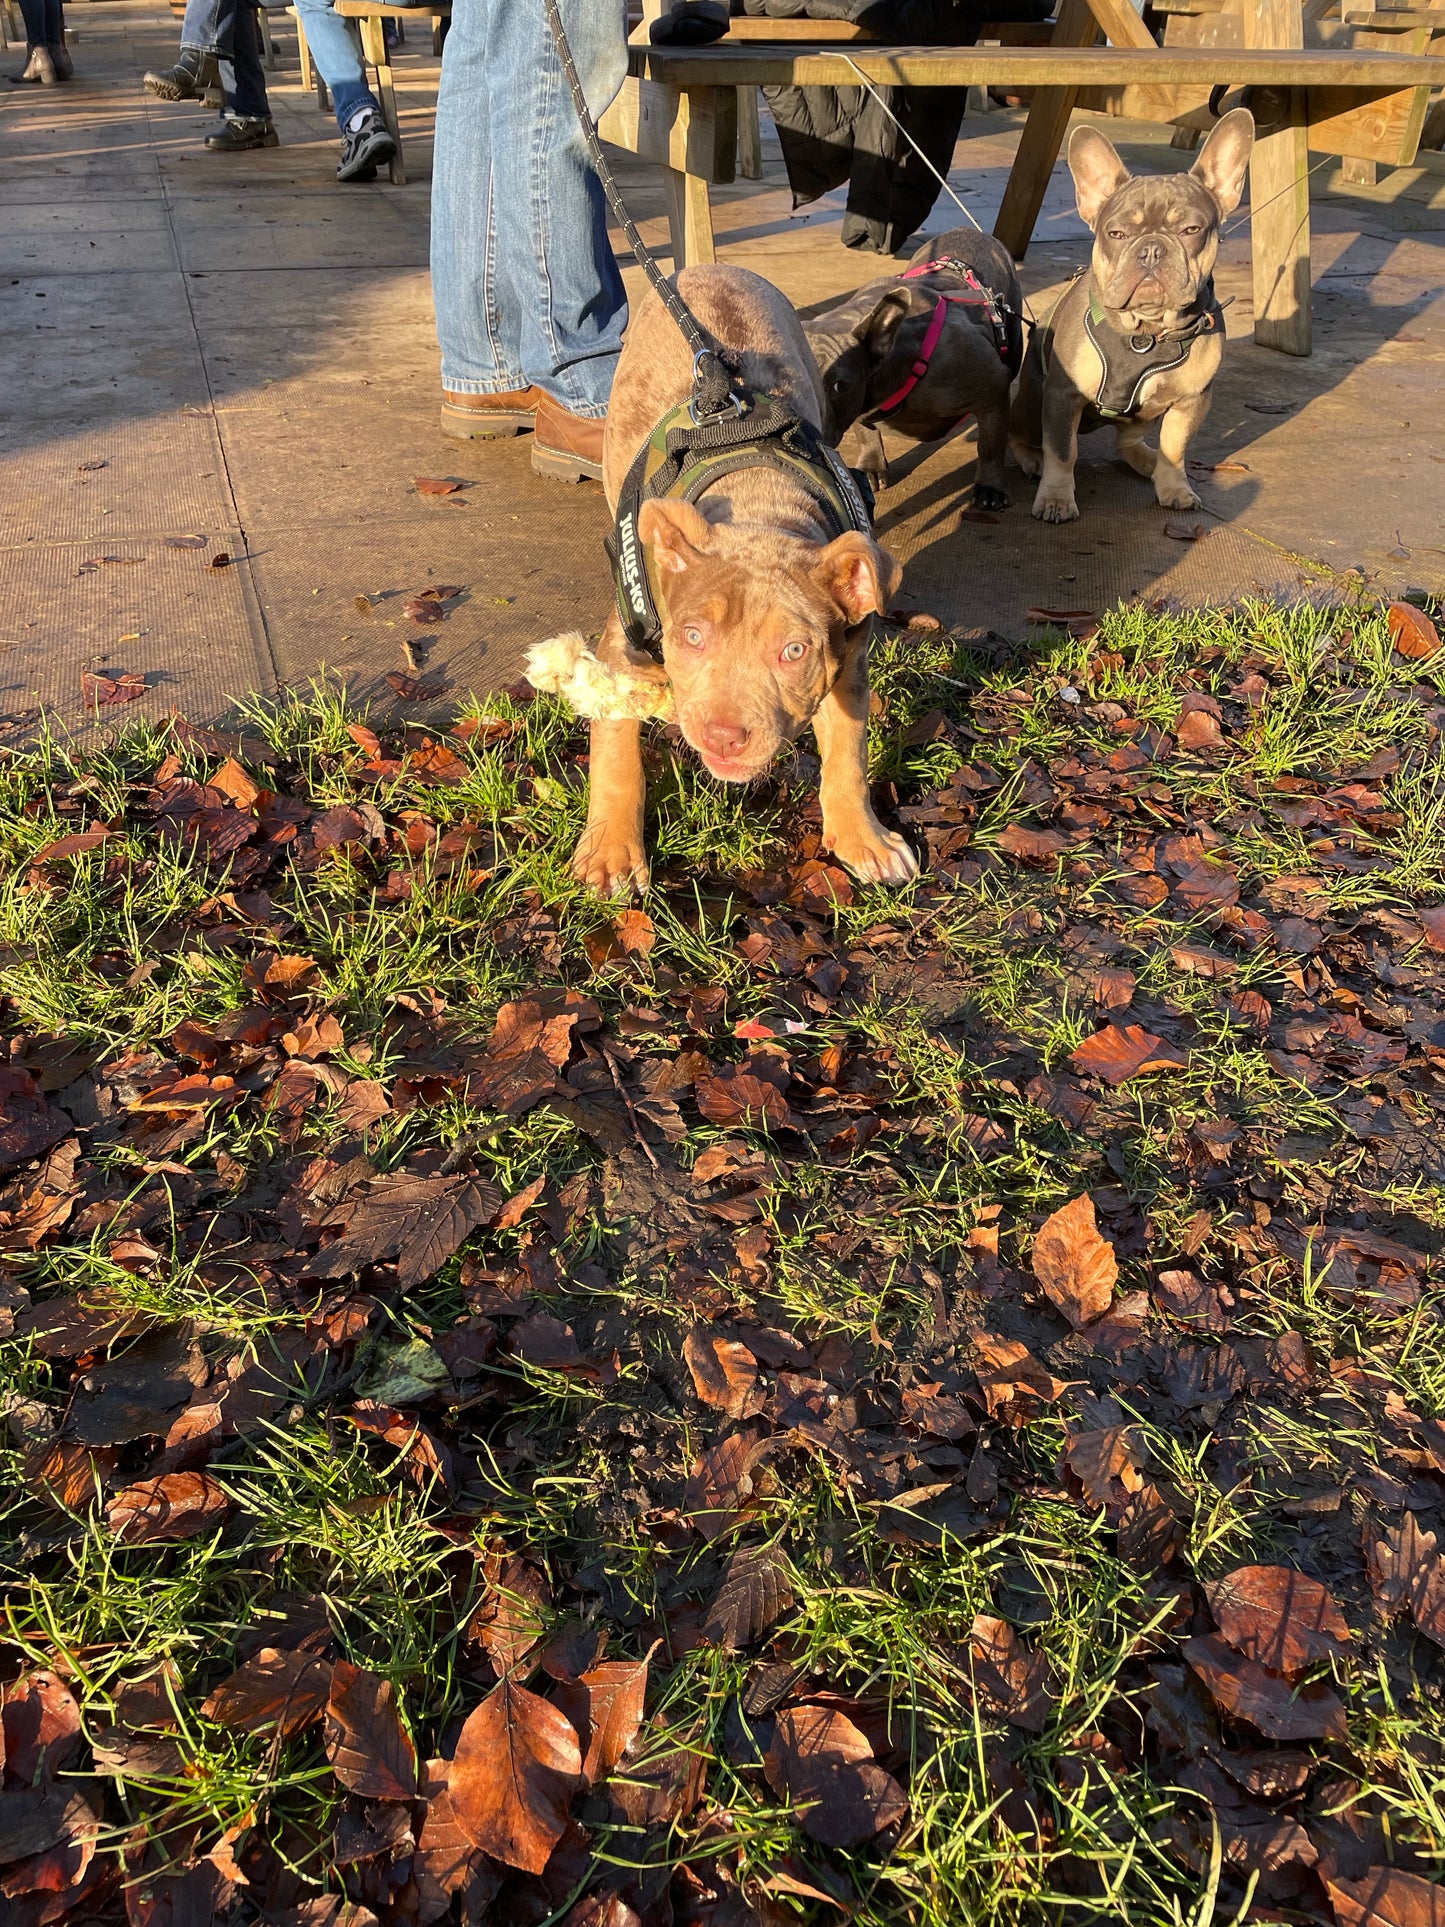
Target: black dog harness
690,450
1130,360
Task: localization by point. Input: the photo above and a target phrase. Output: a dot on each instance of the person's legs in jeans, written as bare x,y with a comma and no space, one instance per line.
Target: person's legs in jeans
527,291
336,48
243,78
201,28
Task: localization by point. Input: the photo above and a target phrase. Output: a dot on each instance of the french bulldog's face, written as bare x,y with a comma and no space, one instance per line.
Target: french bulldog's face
1156,237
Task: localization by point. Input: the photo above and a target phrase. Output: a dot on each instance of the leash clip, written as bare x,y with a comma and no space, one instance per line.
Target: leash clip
731,400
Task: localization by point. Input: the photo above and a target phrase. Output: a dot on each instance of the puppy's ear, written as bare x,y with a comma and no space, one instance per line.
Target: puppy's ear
1224,159
1097,170
676,532
857,575
877,328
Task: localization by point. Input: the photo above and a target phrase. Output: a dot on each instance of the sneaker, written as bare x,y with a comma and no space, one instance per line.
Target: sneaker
365,147
192,74
241,132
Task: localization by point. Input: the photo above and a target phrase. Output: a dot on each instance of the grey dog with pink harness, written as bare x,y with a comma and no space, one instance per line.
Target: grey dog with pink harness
924,350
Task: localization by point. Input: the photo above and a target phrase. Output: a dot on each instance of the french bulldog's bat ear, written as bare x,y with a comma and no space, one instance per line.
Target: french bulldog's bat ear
676,532
877,328
1097,170
861,578
1224,159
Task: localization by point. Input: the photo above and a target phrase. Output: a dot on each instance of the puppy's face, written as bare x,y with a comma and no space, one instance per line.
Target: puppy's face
1156,237
755,627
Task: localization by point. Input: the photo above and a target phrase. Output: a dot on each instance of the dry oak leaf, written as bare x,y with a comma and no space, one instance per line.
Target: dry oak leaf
756,1590
1116,1053
176,1506
1106,1463
605,1704
1033,846
1387,1897
512,1622
273,1692
724,1373
1406,1570
752,1094
232,781
1243,1688
511,1782
1411,631
720,1481
821,1762
96,690
40,1722
1278,1616
419,1222
1012,1380
524,1053
370,1750
1074,1264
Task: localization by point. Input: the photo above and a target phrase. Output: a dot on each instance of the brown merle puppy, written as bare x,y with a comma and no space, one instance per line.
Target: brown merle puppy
923,350
1140,338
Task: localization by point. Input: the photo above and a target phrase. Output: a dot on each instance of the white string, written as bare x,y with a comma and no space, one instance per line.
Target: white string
942,182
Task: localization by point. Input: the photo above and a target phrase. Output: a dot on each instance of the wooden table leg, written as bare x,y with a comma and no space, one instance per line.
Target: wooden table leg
1279,194
1042,137
689,216
373,44
750,135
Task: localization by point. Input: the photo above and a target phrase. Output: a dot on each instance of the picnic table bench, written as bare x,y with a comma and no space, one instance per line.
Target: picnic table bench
678,108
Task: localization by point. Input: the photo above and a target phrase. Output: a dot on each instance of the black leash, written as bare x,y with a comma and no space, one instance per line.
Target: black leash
713,395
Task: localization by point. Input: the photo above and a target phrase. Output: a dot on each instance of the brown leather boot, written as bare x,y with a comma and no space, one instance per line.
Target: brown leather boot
567,446
486,417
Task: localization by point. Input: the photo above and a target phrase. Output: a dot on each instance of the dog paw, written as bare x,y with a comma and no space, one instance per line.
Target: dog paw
873,854
1031,461
1176,496
610,862
991,498
1055,507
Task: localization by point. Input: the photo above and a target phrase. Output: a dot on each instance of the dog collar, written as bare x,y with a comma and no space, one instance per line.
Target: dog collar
1006,327
683,457
1130,360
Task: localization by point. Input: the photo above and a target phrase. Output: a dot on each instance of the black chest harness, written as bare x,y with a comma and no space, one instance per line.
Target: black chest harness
723,428
1130,360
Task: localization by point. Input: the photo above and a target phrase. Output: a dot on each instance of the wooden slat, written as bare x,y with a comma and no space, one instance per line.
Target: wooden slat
723,66
1279,196
758,27
378,10
695,132
1043,135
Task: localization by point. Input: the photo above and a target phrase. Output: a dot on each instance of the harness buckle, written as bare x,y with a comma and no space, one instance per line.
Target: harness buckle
732,400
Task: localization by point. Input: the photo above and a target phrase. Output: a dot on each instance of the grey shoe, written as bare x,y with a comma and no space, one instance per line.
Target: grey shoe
39,69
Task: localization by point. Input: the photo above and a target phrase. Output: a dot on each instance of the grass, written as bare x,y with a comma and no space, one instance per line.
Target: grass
890,1253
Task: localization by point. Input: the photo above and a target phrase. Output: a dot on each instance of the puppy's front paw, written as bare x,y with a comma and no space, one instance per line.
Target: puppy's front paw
873,854
610,861
1030,460
1175,495
1056,505
991,498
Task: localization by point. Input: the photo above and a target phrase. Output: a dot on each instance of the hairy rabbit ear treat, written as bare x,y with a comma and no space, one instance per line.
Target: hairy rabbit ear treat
568,666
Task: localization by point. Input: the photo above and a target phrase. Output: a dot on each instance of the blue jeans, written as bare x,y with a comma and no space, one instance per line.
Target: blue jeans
227,29
336,48
526,287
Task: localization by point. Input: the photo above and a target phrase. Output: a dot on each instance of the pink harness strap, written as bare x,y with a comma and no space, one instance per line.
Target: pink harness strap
978,296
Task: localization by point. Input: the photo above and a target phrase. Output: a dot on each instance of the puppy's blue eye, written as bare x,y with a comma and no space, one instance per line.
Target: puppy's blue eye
693,638
795,652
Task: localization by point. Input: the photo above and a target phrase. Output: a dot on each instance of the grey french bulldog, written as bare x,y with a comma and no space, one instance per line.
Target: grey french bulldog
1139,338
923,349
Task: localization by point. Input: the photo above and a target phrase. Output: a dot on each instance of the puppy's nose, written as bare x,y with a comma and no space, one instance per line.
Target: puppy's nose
1151,254
724,738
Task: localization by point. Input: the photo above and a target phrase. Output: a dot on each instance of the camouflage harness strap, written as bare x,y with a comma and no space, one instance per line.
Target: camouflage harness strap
685,455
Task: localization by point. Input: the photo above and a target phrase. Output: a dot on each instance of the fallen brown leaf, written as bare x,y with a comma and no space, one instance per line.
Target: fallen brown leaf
1074,1264
436,485
1412,632
1278,1710
823,1765
97,690
605,1704
1387,1897
370,1750
176,1506
724,1373
273,1692
1282,1618
1118,1052
517,1765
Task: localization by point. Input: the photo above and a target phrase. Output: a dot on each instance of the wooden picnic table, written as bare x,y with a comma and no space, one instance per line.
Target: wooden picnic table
679,108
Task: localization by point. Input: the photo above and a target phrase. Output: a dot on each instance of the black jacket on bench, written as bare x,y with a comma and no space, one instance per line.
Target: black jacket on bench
834,134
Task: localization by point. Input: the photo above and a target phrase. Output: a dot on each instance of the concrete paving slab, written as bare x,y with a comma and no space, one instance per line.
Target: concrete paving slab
250,349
